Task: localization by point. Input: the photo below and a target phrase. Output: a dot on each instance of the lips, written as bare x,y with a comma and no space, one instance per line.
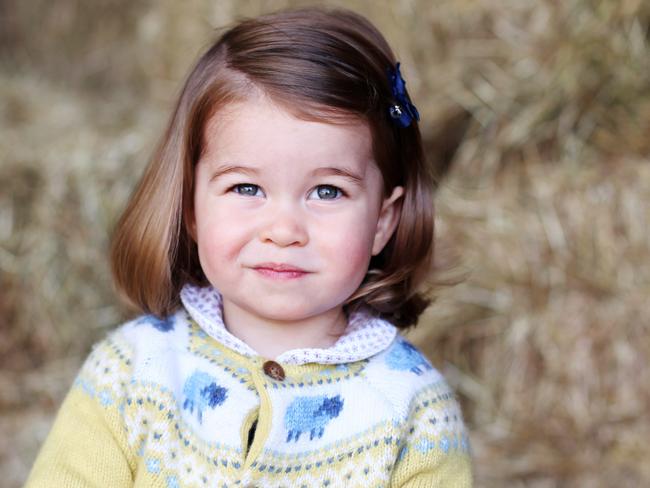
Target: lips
280,268
280,271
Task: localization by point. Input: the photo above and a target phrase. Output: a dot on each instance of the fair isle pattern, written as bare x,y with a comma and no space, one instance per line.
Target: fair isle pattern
364,336
161,438
204,346
168,447
182,401
367,458
106,372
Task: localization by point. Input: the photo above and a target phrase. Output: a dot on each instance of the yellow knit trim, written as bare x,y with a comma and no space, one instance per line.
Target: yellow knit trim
246,427
263,422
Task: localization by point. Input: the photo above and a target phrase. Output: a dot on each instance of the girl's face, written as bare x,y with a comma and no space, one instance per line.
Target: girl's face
287,212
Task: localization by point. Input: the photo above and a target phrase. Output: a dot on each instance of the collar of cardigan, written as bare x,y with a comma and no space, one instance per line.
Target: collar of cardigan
364,336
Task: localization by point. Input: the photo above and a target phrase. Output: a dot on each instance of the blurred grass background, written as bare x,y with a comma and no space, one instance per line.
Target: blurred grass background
537,112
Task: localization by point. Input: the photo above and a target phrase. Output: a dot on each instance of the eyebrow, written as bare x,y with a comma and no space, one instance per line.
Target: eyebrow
324,171
344,172
225,169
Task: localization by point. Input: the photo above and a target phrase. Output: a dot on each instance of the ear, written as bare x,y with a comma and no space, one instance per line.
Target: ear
388,219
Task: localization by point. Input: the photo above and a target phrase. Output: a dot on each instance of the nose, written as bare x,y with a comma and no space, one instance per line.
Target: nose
284,226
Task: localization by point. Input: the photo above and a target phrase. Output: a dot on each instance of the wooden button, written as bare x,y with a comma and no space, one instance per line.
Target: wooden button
273,370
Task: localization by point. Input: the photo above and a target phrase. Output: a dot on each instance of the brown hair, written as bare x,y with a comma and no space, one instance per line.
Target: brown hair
325,65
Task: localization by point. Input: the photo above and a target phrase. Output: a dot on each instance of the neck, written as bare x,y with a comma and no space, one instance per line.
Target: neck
270,338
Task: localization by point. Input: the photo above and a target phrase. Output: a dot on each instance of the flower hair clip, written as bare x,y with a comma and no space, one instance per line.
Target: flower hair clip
403,112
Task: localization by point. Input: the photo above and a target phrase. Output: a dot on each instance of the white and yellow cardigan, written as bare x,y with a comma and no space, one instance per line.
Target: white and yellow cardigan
183,403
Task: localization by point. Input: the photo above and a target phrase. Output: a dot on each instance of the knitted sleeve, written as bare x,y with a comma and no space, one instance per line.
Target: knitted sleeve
435,449
87,445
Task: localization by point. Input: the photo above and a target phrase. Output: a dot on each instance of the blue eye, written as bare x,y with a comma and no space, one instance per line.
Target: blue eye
328,192
246,189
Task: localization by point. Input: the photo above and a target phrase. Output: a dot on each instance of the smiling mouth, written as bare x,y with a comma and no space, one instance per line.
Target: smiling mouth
280,271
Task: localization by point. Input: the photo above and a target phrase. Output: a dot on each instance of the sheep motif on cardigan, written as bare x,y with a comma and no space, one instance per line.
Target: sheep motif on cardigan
312,414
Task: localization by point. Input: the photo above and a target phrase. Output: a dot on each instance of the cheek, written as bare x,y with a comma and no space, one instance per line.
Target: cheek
219,238
351,252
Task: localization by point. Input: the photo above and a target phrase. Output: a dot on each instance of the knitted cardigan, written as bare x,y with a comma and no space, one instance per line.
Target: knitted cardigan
172,403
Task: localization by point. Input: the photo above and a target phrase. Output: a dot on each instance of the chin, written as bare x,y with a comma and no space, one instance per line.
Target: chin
287,312
286,315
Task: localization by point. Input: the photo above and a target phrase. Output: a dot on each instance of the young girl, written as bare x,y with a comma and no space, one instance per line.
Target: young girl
276,243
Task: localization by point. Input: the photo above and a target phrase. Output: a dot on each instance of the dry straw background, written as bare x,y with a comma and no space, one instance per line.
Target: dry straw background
537,113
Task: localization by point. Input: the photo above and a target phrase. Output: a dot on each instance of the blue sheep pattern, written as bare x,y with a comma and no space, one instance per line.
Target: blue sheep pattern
163,325
202,391
405,357
311,414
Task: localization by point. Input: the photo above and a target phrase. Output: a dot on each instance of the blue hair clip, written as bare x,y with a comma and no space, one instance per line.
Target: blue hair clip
403,112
